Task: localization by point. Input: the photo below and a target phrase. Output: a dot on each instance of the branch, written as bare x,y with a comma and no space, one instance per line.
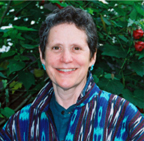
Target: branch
22,103
16,109
5,12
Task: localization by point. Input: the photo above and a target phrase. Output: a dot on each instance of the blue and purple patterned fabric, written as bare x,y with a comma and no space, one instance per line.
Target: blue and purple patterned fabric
98,116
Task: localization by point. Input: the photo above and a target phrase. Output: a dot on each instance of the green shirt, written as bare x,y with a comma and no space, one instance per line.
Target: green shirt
61,117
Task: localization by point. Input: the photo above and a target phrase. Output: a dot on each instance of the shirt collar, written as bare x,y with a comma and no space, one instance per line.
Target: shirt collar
43,98
59,110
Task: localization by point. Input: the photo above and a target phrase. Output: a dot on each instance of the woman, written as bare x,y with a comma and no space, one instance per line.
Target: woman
71,106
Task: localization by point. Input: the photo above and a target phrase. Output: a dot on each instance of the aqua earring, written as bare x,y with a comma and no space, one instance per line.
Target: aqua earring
43,66
91,67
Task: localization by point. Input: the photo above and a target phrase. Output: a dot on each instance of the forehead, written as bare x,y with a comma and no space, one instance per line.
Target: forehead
67,31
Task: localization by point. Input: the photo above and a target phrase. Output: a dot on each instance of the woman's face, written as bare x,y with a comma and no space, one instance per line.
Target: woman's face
67,56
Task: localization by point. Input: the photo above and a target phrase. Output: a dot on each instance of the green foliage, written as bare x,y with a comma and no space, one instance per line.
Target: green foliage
15,86
114,51
1,75
15,66
113,86
26,78
24,28
7,112
119,68
138,67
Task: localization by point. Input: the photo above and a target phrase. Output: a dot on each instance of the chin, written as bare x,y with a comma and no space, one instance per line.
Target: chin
65,85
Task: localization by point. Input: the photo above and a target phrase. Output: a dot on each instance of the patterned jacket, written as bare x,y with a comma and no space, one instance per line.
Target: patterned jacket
98,116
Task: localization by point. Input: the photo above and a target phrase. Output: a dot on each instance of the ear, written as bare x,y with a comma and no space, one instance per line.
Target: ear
93,59
41,58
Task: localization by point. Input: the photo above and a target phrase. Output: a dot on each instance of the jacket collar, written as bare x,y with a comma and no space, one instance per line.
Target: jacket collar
43,98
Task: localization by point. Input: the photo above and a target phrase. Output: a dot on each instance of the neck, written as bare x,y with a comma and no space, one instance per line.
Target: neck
67,98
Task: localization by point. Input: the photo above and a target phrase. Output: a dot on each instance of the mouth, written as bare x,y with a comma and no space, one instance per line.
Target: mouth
66,70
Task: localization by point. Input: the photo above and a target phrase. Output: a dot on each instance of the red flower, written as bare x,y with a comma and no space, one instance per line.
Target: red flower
139,46
60,7
140,109
41,3
138,33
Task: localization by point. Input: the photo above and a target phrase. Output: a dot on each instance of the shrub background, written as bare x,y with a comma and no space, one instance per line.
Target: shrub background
119,68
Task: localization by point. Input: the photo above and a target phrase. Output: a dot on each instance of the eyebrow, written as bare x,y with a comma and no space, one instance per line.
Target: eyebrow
73,44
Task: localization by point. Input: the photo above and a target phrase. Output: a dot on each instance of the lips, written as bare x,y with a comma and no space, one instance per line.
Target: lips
66,70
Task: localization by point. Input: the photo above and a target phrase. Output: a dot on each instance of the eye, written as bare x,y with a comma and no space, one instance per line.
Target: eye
77,48
55,48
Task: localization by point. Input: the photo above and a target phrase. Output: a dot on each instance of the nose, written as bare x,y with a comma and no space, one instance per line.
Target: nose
66,56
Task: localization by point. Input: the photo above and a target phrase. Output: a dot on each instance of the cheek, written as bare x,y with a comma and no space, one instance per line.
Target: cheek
82,61
51,63
51,59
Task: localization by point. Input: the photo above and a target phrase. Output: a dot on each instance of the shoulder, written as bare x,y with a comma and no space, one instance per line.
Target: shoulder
116,101
24,113
12,126
116,105
21,115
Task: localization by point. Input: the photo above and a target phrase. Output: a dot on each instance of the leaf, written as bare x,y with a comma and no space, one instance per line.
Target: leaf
113,86
63,4
106,21
15,66
4,82
139,9
96,79
38,72
139,93
15,85
90,10
4,30
1,69
130,22
7,96
116,24
2,3
1,116
133,14
1,75
141,55
24,28
27,46
21,57
119,11
98,72
123,38
26,78
29,37
7,112
19,36
4,64
129,96
103,22
11,32
138,67
110,76
114,51
37,87
127,2
7,54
